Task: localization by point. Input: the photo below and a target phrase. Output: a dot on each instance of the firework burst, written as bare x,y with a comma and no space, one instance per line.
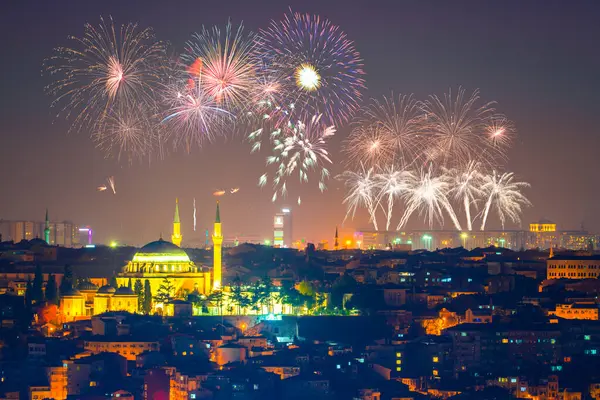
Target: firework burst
361,192
194,116
223,63
402,120
299,148
466,188
428,194
104,70
504,195
320,68
392,184
500,132
370,145
457,130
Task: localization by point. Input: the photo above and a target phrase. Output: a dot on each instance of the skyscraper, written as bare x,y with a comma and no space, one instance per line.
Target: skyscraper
176,236
217,239
282,228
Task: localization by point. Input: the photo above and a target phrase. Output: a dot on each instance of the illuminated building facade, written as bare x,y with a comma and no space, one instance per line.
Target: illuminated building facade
543,226
282,228
573,267
578,310
72,305
127,348
159,260
510,239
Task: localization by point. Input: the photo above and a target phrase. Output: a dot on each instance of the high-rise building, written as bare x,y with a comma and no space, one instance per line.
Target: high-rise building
176,236
217,239
64,234
282,228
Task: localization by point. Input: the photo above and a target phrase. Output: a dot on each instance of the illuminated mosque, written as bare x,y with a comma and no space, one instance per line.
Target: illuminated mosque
154,262
158,262
161,259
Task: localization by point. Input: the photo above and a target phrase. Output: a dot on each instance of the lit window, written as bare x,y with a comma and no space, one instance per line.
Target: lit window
513,380
463,334
398,355
398,369
436,359
398,362
435,372
504,340
587,337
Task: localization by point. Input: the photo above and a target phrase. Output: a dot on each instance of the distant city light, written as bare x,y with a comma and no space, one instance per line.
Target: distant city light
90,246
267,242
285,210
114,244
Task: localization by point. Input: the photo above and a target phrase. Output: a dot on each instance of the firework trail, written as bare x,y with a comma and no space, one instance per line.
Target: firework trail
104,70
391,185
428,194
320,68
226,61
194,214
504,194
101,188
300,148
219,193
362,192
234,190
457,127
466,187
111,184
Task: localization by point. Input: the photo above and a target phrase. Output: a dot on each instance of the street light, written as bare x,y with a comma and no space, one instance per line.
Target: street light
464,237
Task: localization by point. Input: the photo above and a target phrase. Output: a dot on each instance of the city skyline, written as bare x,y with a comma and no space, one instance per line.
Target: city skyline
526,76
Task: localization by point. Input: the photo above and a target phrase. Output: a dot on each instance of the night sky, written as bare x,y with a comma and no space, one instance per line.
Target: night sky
538,59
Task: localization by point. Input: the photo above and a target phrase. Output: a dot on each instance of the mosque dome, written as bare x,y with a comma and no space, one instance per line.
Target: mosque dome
161,251
70,293
124,290
87,286
106,289
38,242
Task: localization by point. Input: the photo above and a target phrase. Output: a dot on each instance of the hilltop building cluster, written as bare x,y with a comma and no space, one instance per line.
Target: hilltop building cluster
163,322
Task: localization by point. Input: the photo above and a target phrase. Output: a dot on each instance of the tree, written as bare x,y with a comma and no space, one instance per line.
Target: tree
147,308
306,289
113,282
51,290
256,296
165,291
237,294
344,284
290,296
267,288
67,281
138,289
37,292
217,297
130,285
